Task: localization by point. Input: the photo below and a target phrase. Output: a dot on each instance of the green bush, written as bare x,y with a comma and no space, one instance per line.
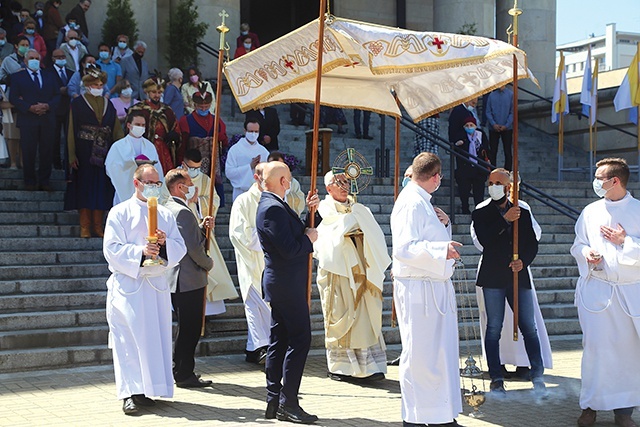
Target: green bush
119,20
184,33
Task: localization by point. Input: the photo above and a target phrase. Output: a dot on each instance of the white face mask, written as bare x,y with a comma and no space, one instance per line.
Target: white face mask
252,137
496,191
73,42
193,172
127,92
191,191
597,187
137,131
288,190
95,91
150,191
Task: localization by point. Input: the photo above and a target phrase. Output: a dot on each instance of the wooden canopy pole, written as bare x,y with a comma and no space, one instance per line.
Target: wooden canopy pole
515,12
316,133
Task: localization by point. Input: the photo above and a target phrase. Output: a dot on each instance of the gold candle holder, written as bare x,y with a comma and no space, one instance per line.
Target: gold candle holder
152,205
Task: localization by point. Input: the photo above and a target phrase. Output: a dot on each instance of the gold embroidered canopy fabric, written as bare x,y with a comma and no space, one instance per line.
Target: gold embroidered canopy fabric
364,63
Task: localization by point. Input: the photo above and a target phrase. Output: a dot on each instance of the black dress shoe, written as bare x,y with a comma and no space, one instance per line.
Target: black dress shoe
408,424
378,376
258,356
453,423
369,137
142,400
128,407
295,415
46,187
272,410
338,377
193,382
394,362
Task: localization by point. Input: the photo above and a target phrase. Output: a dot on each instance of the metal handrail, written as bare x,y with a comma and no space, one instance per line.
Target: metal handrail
208,49
528,189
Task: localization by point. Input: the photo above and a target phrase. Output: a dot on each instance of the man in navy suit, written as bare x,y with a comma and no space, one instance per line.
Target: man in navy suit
286,243
35,95
63,75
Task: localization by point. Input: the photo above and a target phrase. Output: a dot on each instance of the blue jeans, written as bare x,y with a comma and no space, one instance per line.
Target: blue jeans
494,303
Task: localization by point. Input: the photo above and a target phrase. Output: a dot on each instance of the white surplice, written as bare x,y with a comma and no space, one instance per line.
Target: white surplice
608,304
250,263
513,352
238,165
350,281
121,163
139,300
426,307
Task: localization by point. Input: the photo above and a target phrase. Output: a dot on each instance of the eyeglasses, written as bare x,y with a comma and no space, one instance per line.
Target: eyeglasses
156,184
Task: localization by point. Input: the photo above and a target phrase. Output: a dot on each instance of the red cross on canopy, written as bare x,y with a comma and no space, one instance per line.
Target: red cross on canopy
438,43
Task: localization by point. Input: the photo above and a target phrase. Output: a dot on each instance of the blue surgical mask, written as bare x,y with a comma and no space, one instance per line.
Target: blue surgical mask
247,45
3,41
597,187
61,62
33,64
30,31
127,92
39,13
405,181
150,191
104,55
122,45
470,131
203,113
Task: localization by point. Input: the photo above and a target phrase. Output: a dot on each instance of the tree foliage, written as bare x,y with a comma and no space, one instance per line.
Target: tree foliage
119,20
468,29
184,34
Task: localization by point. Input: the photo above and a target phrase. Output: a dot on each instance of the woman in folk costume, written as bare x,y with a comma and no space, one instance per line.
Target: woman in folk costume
93,126
197,132
162,126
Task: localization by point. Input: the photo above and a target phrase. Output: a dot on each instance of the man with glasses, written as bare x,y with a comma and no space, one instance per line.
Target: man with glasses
73,50
352,258
139,297
493,224
423,259
607,250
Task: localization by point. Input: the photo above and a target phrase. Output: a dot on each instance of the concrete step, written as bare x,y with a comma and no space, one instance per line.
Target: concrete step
52,319
53,218
49,285
39,231
53,338
24,244
50,258
32,206
54,271
43,301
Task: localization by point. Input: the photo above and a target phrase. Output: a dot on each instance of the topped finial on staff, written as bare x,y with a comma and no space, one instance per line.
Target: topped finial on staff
513,28
222,29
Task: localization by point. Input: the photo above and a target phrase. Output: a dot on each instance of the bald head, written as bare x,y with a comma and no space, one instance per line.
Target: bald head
276,178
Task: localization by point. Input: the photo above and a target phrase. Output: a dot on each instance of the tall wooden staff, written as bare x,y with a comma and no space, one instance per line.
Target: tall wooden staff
316,126
222,29
515,12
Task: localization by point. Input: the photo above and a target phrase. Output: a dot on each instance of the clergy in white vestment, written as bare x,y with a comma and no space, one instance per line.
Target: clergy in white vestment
243,157
607,250
352,257
513,352
295,198
139,298
250,265
121,158
423,259
220,286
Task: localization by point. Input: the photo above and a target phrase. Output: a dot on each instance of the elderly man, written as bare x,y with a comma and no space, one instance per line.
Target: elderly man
250,265
243,157
607,250
188,279
286,243
6,48
423,258
493,224
352,257
73,50
136,70
35,94
138,297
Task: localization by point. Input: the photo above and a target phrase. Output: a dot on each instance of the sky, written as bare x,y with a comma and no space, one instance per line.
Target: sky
577,19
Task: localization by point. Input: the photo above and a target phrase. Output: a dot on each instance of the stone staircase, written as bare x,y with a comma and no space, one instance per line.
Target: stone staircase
52,283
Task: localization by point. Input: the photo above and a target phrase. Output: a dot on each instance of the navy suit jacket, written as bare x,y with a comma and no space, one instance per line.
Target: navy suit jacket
24,93
65,101
495,235
286,250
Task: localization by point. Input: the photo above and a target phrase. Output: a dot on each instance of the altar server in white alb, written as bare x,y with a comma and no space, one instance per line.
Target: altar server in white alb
513,352
607,250
352,257
250,261
139,298
121,159
243,157
423,259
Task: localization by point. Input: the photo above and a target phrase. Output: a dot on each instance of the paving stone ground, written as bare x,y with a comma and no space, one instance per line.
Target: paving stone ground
86,397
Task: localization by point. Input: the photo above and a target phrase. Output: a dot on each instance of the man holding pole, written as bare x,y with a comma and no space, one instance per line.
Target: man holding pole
493,224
